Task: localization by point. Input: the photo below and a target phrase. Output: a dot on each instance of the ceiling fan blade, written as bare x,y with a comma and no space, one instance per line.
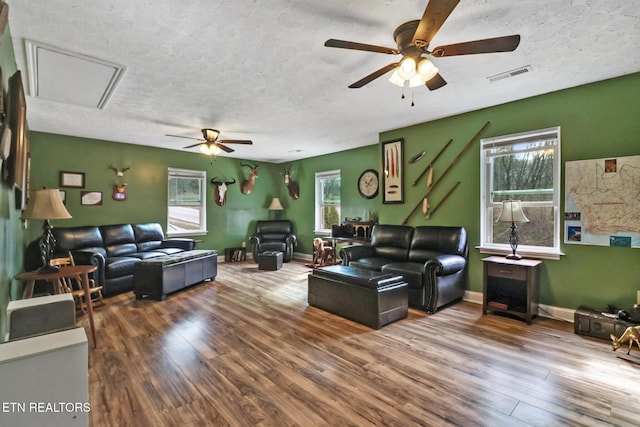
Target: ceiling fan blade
185,137
373,76
436,82
497,44
434,15
194,145
224,147
236,141
343,44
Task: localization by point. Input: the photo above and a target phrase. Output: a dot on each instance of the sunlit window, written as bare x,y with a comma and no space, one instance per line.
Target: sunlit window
327,200
186,207
525,167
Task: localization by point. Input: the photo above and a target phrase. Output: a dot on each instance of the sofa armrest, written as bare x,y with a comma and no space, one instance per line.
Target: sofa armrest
291,239
182,243
255,239
444,265
355,252
88,257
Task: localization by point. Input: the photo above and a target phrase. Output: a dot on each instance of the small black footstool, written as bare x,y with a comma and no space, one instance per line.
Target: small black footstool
270,260
365,296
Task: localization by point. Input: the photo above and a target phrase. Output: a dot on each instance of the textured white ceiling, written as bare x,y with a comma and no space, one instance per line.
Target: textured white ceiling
258,69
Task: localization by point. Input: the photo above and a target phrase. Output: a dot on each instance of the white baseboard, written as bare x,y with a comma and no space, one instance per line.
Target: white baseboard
552,312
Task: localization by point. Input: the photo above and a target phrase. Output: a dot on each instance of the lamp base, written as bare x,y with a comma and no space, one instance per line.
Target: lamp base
513,256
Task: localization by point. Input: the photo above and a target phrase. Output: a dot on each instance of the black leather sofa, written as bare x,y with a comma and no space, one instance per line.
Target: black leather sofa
277,235
113,249
432,259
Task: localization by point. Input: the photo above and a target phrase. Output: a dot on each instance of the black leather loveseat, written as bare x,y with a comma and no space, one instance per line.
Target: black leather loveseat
432,259
113,249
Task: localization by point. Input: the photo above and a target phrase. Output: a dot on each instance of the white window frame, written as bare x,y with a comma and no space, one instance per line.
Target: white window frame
188,173
487,207
319,176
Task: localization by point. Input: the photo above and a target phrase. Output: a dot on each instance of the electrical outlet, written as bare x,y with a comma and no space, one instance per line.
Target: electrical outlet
638,302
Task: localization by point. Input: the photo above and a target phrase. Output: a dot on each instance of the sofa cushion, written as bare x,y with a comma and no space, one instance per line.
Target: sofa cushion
392,241
429,242
371,263
71,238
146,255
168,251
120,266
273,246
118,239
148,236
412,272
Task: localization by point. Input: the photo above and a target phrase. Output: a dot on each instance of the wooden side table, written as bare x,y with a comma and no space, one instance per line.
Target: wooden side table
511,286
72,271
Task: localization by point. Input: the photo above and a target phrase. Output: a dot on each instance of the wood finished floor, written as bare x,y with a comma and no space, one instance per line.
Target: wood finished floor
247,350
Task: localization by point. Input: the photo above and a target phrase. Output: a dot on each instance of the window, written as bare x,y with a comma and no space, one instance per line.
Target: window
526,167
327,200
186,206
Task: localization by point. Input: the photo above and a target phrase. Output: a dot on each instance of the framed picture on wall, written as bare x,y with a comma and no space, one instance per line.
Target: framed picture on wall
91,198
393,171
17,119
72,179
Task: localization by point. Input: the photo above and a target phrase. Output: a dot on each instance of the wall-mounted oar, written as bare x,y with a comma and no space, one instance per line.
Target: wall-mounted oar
427,215
430,166
446,170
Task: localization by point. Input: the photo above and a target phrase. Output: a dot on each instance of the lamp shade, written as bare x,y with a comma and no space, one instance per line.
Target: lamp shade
46,204
275,205
512,212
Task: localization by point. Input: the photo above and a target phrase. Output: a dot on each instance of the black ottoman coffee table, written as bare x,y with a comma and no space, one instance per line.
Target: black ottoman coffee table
365,296
270,260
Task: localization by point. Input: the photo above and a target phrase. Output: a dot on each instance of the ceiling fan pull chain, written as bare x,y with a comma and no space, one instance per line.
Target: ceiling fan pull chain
402,97
412,103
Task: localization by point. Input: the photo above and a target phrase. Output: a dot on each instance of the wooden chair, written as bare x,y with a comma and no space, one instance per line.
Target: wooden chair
73,285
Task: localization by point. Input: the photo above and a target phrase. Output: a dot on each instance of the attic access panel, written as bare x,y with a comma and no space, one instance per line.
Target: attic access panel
68,77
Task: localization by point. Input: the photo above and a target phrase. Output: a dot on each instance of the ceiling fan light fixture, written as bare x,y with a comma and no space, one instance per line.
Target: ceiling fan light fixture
209,149
426,70
407,68
416,81
396,79
210,134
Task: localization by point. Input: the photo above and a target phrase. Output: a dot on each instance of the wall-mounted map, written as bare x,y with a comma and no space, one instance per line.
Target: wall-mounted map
602,202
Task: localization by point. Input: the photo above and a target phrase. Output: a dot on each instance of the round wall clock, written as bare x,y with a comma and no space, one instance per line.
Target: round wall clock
368,184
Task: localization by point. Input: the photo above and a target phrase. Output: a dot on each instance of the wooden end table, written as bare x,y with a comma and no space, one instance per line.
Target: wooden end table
71,271
511,286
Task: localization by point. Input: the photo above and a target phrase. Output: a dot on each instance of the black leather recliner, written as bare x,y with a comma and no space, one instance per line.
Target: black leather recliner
275,235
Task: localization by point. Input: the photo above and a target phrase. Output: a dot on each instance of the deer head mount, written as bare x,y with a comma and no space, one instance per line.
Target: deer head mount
119,172
221,190
292,186
247,185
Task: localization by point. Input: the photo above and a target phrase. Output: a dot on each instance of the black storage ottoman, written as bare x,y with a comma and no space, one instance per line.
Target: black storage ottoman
368,297
270,260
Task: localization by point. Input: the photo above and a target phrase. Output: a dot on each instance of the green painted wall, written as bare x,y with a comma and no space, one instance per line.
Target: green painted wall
228,225
11,237
597,120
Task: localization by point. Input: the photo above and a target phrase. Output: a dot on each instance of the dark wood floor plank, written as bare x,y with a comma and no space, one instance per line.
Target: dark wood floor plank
247,350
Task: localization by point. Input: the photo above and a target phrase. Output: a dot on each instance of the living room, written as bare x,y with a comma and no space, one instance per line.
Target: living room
597,120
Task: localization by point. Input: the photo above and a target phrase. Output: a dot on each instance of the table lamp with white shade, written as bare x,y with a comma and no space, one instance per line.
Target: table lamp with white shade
46,204
512,212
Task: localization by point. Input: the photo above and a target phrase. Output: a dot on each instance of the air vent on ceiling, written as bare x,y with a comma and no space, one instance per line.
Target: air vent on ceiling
512,73
62,76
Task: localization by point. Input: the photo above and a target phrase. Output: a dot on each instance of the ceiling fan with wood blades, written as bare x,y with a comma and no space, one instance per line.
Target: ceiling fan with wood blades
211,145
413,38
